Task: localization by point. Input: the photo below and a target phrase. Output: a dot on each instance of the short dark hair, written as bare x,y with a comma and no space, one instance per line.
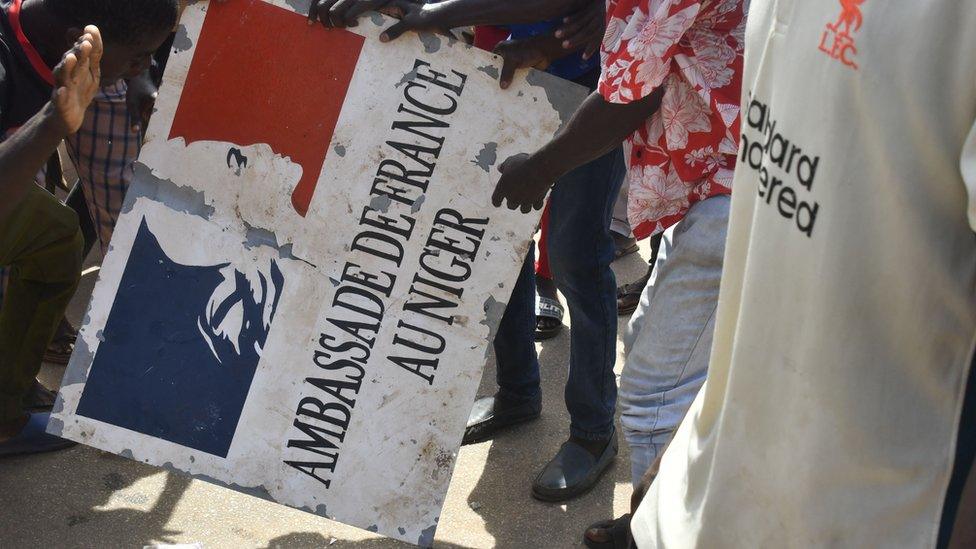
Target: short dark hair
120,21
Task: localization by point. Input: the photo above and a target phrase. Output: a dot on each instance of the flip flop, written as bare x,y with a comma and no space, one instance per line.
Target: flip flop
548,318
617,529
33,439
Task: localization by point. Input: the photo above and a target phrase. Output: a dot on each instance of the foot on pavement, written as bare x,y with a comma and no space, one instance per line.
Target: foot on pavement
60,349
609,534
39,398
623,245
575,470
629,295
548,310
493,414
33,439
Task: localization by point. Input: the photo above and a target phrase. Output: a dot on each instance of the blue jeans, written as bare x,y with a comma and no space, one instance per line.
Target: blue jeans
580,254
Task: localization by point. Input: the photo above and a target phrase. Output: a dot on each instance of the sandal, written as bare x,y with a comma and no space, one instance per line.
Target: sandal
623,246
60,349
548,318
615,534
628,296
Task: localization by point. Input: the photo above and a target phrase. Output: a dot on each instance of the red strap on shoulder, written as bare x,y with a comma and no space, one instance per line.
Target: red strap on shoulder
40,67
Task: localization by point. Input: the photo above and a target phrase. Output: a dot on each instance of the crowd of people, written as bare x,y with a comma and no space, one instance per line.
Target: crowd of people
798,355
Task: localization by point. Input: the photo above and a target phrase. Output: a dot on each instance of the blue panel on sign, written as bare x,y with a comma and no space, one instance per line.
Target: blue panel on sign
180,348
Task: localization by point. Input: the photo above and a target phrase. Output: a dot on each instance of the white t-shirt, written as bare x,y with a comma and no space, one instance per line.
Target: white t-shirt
847,317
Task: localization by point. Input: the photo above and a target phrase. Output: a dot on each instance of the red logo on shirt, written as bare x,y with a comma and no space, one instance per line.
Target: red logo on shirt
838,40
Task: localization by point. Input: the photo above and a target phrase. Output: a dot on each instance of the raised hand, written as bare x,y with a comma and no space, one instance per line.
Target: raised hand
77,79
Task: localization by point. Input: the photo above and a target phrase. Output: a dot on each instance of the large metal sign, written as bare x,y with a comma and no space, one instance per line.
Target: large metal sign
302,288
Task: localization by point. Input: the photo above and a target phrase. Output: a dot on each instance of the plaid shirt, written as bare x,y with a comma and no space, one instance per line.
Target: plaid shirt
103,151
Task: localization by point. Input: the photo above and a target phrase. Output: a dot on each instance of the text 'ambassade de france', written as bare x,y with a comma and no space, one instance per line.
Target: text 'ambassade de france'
359,305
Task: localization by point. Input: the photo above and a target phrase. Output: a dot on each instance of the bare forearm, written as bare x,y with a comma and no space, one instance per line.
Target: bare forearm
462,13
24,154
596,128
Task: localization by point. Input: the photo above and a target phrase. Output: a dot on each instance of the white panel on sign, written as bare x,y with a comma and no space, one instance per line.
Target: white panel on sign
308,271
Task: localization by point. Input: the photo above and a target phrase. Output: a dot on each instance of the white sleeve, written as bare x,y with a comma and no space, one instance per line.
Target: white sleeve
968,167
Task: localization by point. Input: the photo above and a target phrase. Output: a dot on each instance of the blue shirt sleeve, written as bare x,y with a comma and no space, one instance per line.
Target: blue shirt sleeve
570,67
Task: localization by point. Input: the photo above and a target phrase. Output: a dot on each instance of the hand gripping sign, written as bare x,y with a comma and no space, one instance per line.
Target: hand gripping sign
308,271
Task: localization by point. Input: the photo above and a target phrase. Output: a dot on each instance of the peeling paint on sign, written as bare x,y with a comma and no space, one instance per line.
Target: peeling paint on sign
432,42
563,98
178,197
408,77
82,356
490,70
305,319
256,491
381,203
181,42
487,156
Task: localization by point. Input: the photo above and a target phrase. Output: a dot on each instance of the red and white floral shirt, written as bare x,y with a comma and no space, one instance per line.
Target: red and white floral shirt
686,152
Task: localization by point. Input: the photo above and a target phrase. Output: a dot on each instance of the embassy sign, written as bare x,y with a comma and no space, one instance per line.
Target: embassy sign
308,271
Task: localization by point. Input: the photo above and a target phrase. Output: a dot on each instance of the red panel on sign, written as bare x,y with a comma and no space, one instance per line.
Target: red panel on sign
260,74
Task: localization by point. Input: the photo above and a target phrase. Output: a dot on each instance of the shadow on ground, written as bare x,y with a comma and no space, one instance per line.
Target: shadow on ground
86,498
516,457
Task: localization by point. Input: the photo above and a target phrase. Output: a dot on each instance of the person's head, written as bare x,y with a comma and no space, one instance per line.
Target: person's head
131,30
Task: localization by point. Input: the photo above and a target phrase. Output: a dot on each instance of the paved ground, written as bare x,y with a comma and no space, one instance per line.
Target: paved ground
86,498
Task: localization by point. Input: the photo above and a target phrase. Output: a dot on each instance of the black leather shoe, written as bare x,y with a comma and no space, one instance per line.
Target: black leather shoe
492,414
39,399
572,472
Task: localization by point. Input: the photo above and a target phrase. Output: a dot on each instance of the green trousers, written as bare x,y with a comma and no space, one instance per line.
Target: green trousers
41,244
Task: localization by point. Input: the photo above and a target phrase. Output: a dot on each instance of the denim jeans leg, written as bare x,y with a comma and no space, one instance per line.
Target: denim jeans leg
515,357
580,254
669,339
